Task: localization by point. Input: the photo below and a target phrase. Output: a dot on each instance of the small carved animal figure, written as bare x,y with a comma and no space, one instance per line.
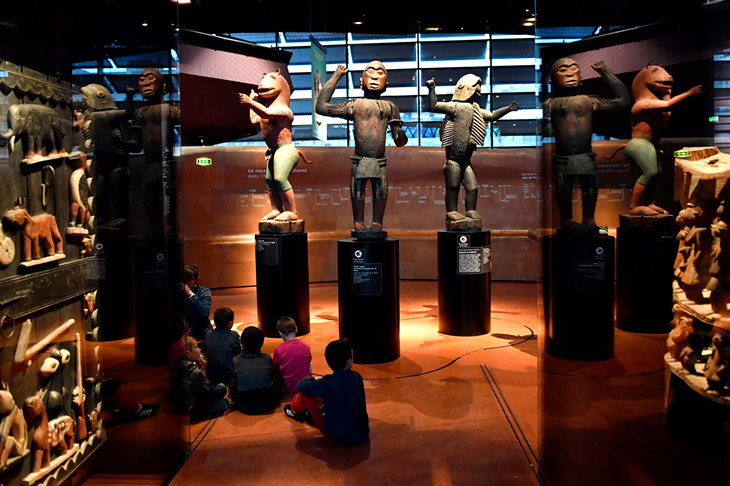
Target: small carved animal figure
13,430
677,339
56,434
717,369
36,229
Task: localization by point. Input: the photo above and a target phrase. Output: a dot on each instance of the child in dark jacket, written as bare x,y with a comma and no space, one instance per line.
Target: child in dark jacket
220,346
257,388
335,402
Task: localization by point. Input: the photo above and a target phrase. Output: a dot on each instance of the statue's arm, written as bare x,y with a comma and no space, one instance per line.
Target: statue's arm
396,127
546,127
499,113
665,105
324,107
622,99
435,106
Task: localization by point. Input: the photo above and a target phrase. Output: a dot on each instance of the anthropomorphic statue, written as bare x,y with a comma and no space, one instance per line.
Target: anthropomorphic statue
371,116
463,129
78,193
695,256
36,229
157,121
56,434
111,141
13,430
37,127
269,105
571,116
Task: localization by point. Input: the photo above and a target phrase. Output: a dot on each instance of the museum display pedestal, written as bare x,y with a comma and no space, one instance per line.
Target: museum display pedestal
579,294
116,288
369,298
464,265
282,281
644,275
157,294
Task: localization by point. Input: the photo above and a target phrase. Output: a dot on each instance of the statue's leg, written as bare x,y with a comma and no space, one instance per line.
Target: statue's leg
357,198
452,178
285,159
119,180
101,198
563,195
589,188
642,152
380,198
274,198
472,191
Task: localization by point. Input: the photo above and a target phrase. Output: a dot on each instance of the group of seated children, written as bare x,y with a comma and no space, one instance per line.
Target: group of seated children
257,383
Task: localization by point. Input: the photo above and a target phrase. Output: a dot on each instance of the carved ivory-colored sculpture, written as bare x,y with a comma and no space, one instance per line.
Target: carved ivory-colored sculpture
13,430
464,127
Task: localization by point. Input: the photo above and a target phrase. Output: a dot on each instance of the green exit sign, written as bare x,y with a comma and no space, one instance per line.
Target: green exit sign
203,161
714,119
682,153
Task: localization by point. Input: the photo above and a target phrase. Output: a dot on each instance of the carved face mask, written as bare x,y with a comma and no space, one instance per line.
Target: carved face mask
566,73
469,88
375,77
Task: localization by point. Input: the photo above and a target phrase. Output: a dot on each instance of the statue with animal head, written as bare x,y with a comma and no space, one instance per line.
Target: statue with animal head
269,105
653,103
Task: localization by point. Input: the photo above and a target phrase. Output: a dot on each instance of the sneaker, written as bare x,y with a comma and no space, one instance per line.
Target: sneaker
147,410
308,418
299,417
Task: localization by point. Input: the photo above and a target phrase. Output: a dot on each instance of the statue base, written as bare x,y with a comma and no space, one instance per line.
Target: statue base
40,261
369,234
464,224
578,296
37,160
274,226
282,281
644,273
76,231
369,298
577,230
464,284
657,221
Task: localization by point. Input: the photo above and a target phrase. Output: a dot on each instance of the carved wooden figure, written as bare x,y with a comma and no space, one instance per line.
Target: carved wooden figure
371,116
717,369
13,429
38,127
57,434
269,105
463,129
571,117
36,229
78,193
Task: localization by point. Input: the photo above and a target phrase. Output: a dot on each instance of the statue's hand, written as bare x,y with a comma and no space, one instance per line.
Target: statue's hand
599,66
514,106
245,100
431,83
129,90
254,95
697,90
341,70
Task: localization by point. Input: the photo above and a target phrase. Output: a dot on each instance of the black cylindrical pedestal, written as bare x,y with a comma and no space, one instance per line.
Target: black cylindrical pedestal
579,288
282,280
369,298
644,276
157,294
464,268
116,289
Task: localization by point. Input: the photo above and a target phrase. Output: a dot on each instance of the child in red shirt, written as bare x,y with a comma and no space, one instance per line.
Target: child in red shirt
292,358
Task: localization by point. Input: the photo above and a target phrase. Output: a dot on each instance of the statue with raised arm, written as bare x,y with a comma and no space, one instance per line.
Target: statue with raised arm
571,115
371,116
653,102
463,129
269,105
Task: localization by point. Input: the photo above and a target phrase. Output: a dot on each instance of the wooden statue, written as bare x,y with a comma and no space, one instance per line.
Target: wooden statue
57,434
38,127
463,129
269,105
78,193
37,229
371,116
571,117
13,429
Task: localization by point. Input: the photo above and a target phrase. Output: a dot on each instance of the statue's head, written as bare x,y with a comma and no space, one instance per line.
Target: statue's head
653,78
565,73
98,98
274,85
374,78
468,89
152,83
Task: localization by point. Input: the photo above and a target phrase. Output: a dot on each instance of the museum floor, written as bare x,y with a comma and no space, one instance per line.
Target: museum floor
450,411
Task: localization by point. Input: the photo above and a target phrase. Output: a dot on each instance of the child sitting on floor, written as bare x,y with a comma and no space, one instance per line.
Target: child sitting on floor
191,392
335,402
220,346
257,388
292,358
